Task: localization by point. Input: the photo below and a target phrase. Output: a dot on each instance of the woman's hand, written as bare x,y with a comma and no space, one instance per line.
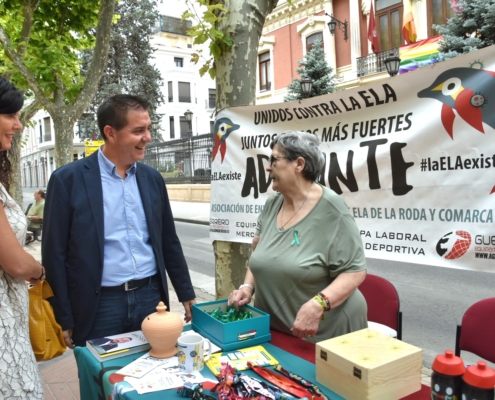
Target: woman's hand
240,297
40,278
307,320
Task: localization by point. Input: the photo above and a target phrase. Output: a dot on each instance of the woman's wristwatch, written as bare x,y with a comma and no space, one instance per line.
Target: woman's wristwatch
247,285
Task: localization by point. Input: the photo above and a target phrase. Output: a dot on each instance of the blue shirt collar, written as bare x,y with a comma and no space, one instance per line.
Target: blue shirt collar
109,167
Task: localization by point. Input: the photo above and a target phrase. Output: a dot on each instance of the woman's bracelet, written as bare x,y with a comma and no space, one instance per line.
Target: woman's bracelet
323,301
247,285
328,306
41,276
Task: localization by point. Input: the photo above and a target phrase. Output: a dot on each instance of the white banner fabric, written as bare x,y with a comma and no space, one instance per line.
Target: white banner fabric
413,157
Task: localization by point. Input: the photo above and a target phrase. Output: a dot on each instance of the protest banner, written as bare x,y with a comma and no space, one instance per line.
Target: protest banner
413,157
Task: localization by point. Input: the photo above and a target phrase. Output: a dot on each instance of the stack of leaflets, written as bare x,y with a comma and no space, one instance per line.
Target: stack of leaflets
149,374
110,347
257,355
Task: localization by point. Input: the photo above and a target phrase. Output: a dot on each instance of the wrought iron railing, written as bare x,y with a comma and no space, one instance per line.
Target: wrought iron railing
182,160
375,63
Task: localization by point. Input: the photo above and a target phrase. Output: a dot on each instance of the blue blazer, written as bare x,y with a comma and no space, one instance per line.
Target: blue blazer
73,240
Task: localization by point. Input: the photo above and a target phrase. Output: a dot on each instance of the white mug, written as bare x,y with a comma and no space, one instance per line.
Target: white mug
191,352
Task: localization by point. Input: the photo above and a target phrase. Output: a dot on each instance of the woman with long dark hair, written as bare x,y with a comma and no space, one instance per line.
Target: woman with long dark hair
19,374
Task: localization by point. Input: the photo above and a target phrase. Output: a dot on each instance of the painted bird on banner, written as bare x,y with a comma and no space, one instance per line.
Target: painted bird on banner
469,91
222,129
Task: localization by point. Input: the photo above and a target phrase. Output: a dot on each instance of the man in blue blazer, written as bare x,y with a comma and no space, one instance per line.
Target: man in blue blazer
109,239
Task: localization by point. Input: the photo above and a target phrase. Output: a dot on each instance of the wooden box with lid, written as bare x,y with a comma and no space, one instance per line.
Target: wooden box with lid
368,365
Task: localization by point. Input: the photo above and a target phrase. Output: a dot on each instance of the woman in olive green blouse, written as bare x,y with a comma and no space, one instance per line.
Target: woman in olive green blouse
308,257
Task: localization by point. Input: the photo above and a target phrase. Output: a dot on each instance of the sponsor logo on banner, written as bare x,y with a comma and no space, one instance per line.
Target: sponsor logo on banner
220,225
484,247
454,245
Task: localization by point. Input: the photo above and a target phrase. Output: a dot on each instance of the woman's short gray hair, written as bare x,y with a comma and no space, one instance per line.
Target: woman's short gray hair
296,144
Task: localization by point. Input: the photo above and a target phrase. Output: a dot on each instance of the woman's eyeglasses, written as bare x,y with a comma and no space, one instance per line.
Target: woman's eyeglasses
276,158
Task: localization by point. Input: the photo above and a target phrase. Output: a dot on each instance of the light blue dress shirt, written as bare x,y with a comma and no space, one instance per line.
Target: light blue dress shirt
127,254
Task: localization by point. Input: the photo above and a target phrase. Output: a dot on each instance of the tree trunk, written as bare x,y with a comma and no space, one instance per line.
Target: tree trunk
15,152
236,86
15,160
63,125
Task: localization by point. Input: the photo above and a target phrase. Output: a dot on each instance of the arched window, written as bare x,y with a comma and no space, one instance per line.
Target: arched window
310,40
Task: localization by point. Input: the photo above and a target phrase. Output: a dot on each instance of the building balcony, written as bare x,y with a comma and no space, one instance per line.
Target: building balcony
48,143
374,63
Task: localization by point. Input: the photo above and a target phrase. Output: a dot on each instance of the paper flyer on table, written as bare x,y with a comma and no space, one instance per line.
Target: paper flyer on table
146,363
165,377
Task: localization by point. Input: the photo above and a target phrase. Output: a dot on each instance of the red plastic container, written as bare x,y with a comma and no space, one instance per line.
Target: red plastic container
446,379
478,382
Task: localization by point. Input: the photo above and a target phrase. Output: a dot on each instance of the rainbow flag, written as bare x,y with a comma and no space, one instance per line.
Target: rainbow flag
416,55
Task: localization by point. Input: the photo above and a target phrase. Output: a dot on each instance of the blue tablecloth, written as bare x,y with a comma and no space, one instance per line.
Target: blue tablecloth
95,378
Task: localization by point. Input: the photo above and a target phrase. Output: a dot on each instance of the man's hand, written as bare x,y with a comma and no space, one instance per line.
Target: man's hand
68,338
188,309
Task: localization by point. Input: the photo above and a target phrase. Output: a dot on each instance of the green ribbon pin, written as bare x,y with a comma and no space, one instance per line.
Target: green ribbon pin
296,239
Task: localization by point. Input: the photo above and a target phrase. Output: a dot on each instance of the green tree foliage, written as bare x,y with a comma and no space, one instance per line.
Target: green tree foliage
40,51
315,67
36,35
207,15
471,28
130,66
48,34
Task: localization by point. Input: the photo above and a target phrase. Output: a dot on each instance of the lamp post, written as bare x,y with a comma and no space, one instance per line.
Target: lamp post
306,87
30,173
188,115
334,23
155,125
43,173
392,63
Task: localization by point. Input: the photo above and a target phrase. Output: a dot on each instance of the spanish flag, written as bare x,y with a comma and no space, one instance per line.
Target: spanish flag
408,27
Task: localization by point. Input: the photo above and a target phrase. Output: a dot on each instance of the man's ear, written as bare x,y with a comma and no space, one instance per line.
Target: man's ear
109,132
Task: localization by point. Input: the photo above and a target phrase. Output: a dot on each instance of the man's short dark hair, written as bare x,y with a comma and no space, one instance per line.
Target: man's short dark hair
41,192
113,111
